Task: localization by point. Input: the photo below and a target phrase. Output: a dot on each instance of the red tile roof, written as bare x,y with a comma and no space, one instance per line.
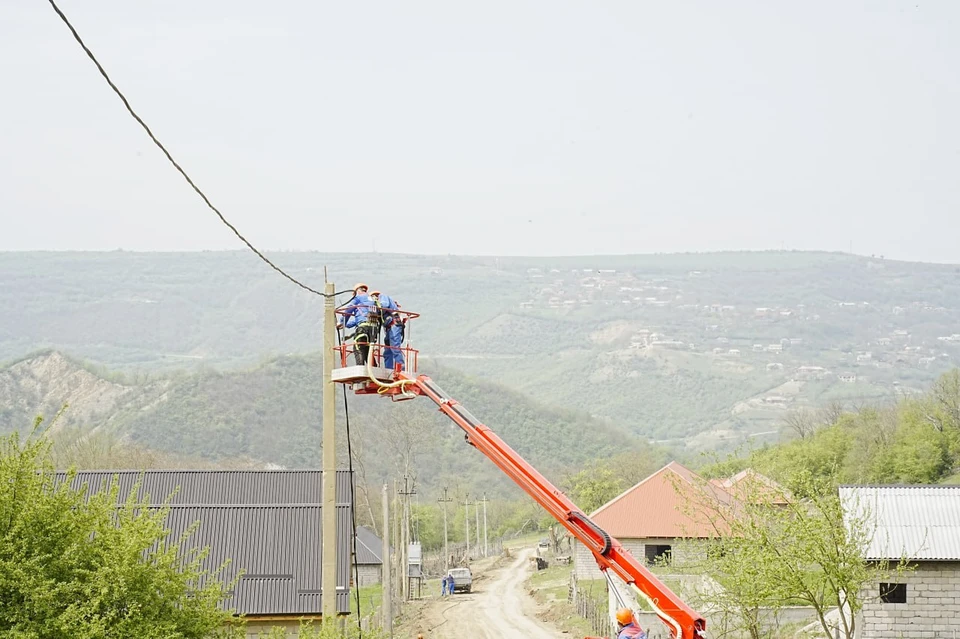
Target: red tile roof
750,486
662,505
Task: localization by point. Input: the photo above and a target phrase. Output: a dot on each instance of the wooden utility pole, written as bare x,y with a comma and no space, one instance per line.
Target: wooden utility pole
328,565
485,547
385,558
466,518
446,540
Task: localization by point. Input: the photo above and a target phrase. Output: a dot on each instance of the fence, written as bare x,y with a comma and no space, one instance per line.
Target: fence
373,620
591,604
434,565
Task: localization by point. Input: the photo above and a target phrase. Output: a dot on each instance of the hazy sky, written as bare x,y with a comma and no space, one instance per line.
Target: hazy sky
488,127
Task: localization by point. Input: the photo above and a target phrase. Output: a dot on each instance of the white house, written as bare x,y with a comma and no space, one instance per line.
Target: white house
921,523
369,557
651,517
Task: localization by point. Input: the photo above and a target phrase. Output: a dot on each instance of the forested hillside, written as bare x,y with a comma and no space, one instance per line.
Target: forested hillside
706,351
913,441
270,414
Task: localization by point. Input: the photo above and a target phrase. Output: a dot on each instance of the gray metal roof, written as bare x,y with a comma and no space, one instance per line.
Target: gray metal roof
369,547
222,486
268,523
918,522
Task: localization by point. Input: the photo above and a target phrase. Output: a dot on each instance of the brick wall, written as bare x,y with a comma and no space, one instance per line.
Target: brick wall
368,575
932,608
586,567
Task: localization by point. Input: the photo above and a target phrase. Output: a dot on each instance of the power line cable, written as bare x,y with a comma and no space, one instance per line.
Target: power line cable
353,499
176,165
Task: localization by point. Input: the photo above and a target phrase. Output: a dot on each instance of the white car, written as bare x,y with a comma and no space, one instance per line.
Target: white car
462,579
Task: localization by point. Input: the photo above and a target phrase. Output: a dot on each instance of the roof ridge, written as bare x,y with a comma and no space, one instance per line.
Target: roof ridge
378,555
315,504
198,471
629,490
679,474
909,486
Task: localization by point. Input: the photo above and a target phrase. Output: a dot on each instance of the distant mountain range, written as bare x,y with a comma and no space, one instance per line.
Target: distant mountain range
698,350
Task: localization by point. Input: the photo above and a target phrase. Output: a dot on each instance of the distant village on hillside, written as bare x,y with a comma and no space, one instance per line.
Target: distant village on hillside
772,336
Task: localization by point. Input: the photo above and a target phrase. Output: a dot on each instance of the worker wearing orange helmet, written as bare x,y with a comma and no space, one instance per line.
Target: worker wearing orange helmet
627,626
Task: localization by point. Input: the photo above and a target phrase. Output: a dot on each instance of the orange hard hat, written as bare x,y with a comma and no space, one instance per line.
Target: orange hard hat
359,285
372,293
624,616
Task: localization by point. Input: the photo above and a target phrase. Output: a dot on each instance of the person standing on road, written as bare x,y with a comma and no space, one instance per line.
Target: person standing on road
627,626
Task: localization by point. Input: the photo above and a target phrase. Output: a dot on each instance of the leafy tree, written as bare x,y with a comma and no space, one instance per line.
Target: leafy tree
941,408
599,482
79,565
773,548
594,486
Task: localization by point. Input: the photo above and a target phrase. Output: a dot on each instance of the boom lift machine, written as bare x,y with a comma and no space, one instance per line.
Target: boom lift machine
610,555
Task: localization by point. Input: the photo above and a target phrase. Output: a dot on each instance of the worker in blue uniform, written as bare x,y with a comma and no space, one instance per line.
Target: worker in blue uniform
627,626
393,329
364,315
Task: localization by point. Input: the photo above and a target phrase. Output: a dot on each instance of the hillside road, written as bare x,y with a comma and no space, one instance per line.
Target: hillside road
498,608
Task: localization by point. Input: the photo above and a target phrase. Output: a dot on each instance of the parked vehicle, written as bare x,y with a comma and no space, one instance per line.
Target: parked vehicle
462,579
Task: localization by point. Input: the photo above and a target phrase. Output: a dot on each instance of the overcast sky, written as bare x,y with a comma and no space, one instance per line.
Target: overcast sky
495,127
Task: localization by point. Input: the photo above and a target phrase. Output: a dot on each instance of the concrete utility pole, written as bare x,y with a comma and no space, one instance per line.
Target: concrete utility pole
446,540
385,578
476,514
397,573
408,489
485,547
328,566
466,518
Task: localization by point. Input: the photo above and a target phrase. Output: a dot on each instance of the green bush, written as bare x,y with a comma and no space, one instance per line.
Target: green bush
85,566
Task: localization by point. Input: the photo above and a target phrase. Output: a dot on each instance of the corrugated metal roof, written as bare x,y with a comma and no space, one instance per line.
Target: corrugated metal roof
659,506
268,523
918,522
221,486
369,547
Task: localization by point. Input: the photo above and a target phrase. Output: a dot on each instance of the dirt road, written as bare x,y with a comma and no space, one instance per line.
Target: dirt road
498,608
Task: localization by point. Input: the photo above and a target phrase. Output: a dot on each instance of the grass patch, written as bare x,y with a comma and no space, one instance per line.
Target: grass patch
370,599
550,588
523,541
952,480
549,577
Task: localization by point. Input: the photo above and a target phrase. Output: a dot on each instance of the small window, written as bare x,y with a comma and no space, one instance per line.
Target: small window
893,593
657,553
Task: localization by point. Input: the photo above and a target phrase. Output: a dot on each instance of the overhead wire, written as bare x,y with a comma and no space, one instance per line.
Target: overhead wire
353,495
264,258
170,158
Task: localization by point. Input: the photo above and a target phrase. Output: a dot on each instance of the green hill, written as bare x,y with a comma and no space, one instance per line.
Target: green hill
915,440
271,414
704,350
